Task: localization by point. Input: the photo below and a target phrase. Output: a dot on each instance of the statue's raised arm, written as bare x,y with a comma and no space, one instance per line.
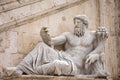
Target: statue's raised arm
101,35
97,54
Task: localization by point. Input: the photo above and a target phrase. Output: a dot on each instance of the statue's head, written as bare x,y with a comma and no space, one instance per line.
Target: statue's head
81,23
81,19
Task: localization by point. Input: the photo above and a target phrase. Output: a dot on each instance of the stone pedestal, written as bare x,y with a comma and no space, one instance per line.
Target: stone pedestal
42,77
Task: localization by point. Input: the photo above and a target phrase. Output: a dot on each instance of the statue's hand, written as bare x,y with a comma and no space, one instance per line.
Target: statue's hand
45,36
91,58
101,33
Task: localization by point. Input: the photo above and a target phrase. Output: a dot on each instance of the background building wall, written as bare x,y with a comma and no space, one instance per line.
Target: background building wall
110,17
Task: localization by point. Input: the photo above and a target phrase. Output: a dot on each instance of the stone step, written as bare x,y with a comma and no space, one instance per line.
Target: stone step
43,77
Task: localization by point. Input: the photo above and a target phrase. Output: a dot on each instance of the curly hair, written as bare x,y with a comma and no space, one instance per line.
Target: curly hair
84,18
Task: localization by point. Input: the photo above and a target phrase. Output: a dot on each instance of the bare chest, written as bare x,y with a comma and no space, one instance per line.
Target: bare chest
84,41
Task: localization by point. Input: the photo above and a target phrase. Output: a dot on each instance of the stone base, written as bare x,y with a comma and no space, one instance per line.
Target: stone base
43,77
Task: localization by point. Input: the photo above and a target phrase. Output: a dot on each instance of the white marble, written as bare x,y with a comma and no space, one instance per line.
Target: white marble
83,53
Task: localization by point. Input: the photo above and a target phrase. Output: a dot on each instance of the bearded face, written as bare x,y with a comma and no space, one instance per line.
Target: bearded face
79,29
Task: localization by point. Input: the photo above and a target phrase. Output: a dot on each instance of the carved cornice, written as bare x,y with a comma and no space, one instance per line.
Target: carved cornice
37,16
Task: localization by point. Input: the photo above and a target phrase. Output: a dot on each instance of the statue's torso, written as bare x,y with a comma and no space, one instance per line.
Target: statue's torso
79,47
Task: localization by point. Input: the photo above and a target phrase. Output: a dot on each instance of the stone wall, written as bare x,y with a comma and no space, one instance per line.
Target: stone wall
21,21
109,16
117,29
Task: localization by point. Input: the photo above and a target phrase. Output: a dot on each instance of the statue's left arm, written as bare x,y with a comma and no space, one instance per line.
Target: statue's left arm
101,35
52,41
58,40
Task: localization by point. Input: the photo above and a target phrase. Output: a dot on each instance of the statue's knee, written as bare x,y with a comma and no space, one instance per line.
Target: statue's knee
59,63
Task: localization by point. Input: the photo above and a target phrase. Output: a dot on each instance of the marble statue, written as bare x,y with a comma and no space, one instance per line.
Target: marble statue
83,53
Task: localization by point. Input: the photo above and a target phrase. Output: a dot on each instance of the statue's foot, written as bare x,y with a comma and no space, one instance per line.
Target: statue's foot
8,71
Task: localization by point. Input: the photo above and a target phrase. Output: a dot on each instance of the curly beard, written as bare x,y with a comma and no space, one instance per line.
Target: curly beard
79,30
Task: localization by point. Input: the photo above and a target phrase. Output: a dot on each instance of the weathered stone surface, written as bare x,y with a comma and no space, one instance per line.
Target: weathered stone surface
62,21
42,77
22,18
109,17
12,36
28,35
57,64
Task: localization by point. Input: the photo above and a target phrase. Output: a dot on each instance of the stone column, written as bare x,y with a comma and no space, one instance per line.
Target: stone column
117,30
109,18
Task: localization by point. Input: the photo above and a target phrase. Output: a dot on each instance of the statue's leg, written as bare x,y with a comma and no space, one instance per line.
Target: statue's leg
65,68
57,67
41,54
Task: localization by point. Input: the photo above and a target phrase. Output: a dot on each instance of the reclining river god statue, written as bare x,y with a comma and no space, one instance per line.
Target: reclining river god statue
83,53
